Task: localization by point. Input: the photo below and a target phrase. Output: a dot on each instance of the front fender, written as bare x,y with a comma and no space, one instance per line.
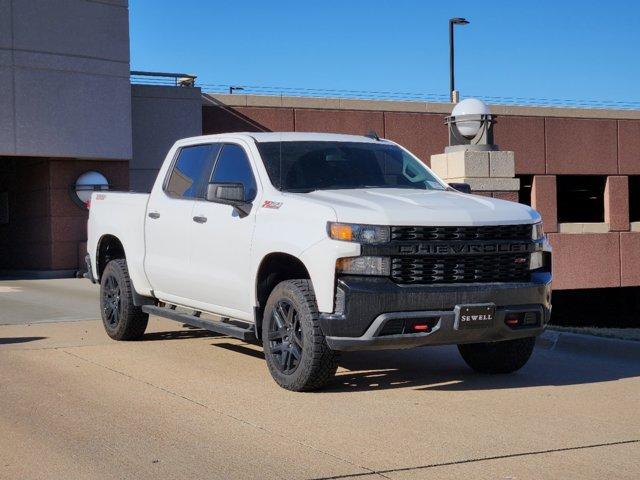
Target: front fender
320,260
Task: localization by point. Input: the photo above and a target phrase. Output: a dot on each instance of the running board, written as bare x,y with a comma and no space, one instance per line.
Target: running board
246,334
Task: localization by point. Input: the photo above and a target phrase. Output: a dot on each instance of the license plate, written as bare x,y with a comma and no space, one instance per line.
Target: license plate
474,316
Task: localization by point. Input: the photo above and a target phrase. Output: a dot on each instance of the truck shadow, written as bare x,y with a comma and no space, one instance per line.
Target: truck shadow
179,334
12,340
438,368
441,368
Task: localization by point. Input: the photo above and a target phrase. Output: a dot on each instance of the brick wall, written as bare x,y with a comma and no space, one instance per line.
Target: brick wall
46,228
545,146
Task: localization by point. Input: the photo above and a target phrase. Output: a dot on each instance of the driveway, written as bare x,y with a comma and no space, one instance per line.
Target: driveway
184,403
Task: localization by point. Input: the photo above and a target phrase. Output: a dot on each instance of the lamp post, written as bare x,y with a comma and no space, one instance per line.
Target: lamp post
452,87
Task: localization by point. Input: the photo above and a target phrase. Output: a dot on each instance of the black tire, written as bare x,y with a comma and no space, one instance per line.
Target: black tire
295,349
122,320
498,357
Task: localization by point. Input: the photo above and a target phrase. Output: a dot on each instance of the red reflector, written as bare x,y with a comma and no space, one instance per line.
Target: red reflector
512,319
421,327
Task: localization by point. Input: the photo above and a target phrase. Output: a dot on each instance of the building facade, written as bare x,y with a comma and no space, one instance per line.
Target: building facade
68,106
579,168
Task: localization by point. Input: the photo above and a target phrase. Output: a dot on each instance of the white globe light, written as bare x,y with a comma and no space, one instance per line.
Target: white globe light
469,106
86,184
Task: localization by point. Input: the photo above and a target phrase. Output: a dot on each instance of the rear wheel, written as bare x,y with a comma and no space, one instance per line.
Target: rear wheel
498,357
295,348
122,320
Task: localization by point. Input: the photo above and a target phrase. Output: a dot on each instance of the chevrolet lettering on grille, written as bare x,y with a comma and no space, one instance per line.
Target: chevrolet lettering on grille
464,248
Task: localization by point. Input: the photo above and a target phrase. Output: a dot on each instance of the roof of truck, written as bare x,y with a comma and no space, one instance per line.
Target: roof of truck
291,137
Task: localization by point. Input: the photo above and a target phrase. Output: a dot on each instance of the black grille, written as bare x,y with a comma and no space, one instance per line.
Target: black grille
492,232
508,267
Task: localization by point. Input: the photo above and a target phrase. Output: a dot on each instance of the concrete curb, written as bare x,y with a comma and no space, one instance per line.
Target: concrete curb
580,344
36,274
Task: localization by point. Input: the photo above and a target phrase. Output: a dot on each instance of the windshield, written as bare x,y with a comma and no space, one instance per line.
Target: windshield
308,166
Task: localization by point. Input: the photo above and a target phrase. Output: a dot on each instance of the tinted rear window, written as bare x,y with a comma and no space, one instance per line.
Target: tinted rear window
191,171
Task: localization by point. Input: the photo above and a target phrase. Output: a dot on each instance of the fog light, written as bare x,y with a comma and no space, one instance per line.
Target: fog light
364,266
536,261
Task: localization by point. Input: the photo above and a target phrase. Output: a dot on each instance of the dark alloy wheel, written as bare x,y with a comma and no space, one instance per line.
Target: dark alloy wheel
295,348
121,318
285,336
111,301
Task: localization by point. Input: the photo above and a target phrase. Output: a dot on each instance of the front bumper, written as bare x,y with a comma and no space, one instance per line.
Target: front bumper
364,305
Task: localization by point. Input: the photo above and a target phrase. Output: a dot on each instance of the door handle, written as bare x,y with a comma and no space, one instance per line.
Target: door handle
154,215
200,219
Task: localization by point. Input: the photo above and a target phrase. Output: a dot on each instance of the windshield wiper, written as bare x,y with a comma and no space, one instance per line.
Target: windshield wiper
299,190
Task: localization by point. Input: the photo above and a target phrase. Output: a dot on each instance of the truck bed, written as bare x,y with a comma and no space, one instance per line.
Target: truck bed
123,215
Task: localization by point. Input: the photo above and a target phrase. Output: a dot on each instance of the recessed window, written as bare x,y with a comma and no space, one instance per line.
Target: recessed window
4,208
524,195
581,198
634,198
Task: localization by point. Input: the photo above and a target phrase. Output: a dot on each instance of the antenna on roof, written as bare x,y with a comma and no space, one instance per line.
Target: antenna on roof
373,135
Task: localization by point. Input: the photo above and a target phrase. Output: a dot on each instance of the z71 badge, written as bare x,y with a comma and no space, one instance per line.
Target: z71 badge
271,204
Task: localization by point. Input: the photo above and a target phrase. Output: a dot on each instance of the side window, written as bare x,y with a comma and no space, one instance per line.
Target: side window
189,175
233,167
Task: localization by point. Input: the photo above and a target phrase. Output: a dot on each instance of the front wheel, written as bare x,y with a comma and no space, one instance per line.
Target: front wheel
122,320
295,349
498,357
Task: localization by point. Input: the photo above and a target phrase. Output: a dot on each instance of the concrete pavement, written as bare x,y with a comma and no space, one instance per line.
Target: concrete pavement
186,404
37,301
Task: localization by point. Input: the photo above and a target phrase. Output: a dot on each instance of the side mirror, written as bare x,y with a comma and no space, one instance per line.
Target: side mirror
229,194
461,187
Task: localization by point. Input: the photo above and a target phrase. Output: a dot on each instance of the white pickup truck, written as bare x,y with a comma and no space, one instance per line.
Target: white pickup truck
316,243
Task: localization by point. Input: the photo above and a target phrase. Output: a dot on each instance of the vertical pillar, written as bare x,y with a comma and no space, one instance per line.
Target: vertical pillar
490,173
544,199
616,203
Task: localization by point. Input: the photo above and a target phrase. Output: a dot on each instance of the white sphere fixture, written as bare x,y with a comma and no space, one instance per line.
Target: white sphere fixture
469,106
89,182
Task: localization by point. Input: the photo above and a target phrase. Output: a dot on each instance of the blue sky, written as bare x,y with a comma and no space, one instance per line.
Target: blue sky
584,50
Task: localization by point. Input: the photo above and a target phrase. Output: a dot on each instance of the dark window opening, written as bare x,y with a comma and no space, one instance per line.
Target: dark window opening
526,183
4,208
634,198
581,198
592,307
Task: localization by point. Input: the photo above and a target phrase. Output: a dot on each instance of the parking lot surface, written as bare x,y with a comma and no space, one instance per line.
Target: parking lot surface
184,403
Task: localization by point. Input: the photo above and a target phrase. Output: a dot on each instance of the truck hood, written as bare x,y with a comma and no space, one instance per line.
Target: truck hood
397,206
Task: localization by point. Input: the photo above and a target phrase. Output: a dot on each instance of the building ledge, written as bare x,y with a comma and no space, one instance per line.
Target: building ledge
593,227
282,101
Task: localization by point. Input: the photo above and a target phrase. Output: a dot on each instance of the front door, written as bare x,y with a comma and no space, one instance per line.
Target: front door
221,236
169,220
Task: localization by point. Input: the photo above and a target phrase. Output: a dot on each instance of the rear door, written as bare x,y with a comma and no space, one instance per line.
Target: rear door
220,258
169,220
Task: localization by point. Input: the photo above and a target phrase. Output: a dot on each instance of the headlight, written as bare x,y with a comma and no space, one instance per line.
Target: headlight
364,266
537,232
350,232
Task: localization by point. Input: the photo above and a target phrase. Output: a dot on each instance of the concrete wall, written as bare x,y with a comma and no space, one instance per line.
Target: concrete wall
64,72
161,115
